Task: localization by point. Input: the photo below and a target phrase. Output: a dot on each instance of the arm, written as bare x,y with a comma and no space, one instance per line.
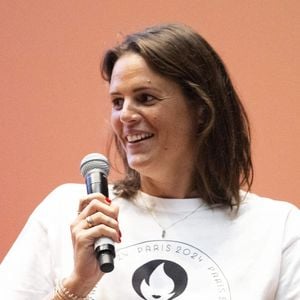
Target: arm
30,269
289,281
25,272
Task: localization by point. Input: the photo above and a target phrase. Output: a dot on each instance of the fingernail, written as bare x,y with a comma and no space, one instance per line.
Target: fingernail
108,200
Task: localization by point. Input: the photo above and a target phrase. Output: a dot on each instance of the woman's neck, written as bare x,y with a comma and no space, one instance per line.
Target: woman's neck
178,187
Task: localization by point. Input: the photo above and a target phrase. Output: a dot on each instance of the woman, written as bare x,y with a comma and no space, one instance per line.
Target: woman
188,231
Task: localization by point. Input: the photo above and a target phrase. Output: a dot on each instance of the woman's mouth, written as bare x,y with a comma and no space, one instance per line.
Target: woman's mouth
134,138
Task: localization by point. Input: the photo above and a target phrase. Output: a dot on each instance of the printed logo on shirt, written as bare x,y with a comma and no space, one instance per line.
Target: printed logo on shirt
159,279
165,270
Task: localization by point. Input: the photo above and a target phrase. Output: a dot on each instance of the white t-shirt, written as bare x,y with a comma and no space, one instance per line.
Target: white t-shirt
206,253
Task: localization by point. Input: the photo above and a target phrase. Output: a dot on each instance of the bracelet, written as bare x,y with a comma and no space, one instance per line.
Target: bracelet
64,294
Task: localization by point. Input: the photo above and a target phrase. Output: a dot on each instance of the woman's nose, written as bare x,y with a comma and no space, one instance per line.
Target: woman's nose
129,112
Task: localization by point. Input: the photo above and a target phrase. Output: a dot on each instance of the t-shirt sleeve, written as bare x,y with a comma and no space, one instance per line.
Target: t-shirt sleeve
25,272
289,282
43,250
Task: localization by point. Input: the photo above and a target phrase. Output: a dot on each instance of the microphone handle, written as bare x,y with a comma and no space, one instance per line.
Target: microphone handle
96,182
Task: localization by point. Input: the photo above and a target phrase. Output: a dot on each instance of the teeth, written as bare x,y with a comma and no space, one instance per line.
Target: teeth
138,137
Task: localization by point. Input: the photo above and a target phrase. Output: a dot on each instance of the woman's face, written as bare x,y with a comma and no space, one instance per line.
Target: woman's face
151,118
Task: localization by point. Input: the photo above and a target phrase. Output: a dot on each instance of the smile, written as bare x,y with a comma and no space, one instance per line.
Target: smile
138,137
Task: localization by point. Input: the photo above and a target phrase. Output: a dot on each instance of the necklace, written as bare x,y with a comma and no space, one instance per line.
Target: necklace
165,228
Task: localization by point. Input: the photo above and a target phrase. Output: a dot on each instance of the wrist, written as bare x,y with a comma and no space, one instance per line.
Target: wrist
72,289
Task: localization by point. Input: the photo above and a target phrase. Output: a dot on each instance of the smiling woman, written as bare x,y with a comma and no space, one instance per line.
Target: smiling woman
186,223
154,126
206,135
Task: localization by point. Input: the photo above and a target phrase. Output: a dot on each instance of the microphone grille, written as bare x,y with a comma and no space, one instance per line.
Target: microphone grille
94,161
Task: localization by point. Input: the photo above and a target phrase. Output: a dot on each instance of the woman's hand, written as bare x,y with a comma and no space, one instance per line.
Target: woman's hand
96,218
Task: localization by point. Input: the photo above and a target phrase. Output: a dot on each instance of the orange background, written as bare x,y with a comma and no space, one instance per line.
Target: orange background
54,107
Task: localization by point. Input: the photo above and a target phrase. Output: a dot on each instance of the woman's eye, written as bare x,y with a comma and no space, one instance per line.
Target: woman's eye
117,103
146,99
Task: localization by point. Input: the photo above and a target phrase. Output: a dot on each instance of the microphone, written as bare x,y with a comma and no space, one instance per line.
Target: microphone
94,167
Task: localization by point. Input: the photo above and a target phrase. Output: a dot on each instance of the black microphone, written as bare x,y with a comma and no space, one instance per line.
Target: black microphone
94,168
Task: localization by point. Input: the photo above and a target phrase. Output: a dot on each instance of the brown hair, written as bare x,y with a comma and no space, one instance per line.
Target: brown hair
223,162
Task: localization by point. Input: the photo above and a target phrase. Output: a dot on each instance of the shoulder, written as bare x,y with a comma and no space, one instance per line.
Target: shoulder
65,199
257,204
67,194
274,215
73,188
61,202
64,194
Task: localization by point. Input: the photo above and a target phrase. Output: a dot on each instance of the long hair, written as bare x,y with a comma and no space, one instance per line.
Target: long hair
223,164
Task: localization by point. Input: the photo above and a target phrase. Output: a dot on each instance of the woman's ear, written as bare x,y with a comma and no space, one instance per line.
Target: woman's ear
201,114
200,118
205,119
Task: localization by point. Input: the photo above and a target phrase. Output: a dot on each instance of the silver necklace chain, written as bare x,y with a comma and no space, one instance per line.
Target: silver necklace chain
163,228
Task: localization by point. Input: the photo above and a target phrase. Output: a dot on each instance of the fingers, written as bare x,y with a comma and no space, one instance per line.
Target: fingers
95,206
101,218
87,199
90,221
97,218
102,230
